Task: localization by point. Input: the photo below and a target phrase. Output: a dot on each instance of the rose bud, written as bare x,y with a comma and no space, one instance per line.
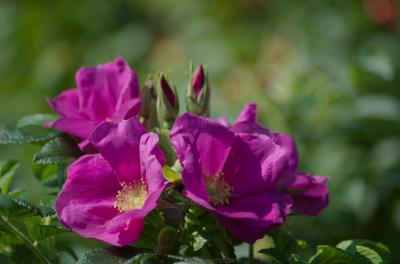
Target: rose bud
198,93
167,102
148,110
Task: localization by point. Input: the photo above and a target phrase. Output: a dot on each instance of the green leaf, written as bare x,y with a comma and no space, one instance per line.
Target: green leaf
7,204
284,244
149,258
189,260
59,178
112,255
58,151
35,120
199,241
17,136
372,252
332,255
16,192
7,172
39,232
44,172
19,207
170,174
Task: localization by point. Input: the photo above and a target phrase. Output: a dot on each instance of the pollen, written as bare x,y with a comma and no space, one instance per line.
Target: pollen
218,189
131,196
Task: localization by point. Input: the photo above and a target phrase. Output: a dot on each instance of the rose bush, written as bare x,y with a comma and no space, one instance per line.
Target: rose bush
169,187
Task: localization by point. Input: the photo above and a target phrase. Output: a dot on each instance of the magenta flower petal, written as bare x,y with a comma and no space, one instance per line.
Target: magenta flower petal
151,161
119,145
212,140
107,92
127,110
86,202
192,177
272,214
248,114
66,103
243,172
310,194
75,126
223,120
275,157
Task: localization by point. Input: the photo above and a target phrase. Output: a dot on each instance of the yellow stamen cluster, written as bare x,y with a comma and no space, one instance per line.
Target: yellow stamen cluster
218,189
131,196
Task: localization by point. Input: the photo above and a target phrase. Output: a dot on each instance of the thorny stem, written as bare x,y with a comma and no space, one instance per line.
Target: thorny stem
13,229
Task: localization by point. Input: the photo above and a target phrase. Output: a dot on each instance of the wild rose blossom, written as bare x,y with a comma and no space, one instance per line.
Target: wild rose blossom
222,174
106,196
107,92
244,174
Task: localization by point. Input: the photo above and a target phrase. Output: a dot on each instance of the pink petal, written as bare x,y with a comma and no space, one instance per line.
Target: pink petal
310,194
127,110
119,145
75,126
66,103
152,161
212,141
248,114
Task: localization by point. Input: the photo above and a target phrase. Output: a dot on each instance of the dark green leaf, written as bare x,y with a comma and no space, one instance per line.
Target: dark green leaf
17,136
19,207
155,258
58,151
333,255
7,172
7,204
39,232
284,244
112,255
16,192
371,251
44,172
35,120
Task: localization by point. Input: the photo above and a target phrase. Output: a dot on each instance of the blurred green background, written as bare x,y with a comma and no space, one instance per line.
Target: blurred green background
327,72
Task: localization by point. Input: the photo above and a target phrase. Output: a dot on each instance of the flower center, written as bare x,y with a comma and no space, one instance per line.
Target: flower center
131,196
218,189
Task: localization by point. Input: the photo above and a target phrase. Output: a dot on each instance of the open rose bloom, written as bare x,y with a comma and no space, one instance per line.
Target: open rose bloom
107,195
246,175
243,173
107,92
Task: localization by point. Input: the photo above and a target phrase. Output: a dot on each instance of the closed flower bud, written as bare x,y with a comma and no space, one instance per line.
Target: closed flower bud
148,97
167,241
148,110
167,102
198,93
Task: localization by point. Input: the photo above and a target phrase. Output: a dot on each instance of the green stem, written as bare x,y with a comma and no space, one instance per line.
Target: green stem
251,253
13,229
